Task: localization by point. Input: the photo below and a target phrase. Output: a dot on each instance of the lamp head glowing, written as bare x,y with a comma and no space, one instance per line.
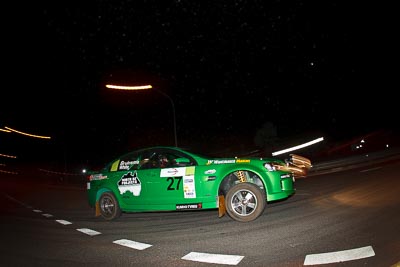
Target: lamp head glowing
121,87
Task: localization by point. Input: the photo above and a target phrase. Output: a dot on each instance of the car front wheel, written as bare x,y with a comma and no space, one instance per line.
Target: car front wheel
109,208
245,202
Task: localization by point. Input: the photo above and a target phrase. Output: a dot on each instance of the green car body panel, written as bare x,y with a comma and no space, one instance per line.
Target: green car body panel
189,182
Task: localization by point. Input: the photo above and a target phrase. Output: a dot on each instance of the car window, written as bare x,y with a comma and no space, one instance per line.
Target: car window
178,160
164,159
148,160
156,160
127,162
151,159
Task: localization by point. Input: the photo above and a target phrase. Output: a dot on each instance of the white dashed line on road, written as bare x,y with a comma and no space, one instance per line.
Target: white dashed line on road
312,259
64,222
88,231
213,258
339,256
132,244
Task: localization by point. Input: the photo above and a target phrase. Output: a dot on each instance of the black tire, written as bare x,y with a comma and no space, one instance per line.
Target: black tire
109,207
244,202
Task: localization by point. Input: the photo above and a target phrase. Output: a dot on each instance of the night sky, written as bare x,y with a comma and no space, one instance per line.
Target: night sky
308,67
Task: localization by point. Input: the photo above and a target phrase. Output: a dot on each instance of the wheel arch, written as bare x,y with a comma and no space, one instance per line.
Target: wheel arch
101,191
232,179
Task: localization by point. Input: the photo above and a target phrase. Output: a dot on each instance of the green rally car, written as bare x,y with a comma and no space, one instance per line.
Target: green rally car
173,179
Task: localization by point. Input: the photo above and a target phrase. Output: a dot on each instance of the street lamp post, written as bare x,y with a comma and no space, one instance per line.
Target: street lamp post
173,113
145,87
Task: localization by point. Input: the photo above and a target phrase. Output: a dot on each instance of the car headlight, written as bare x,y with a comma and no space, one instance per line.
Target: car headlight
269,166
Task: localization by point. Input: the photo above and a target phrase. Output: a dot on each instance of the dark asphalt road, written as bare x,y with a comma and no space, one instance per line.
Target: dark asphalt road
336,211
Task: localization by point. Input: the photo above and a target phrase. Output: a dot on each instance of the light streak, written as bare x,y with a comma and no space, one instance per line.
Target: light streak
298,146
121,87
8,156
4,130
27,134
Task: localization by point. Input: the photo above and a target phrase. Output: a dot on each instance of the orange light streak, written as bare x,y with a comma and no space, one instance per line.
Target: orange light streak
4,130
27,134
8,156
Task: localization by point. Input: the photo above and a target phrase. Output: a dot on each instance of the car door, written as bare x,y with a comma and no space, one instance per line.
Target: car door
168,184
155,184
130,186
144,188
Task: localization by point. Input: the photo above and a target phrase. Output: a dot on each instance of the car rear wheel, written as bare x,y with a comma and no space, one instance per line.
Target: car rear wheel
109,207
245,202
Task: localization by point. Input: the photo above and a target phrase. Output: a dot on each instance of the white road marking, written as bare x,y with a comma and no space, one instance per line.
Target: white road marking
339,256
213,258
132,244
312,259
63,222
47,215
88,231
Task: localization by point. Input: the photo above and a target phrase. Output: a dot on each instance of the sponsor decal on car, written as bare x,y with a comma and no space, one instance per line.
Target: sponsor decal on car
121,165
189,189
173,172
126,165
211,178
194,206
187,174
97,177
210,171
242,161
217,161
130,182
